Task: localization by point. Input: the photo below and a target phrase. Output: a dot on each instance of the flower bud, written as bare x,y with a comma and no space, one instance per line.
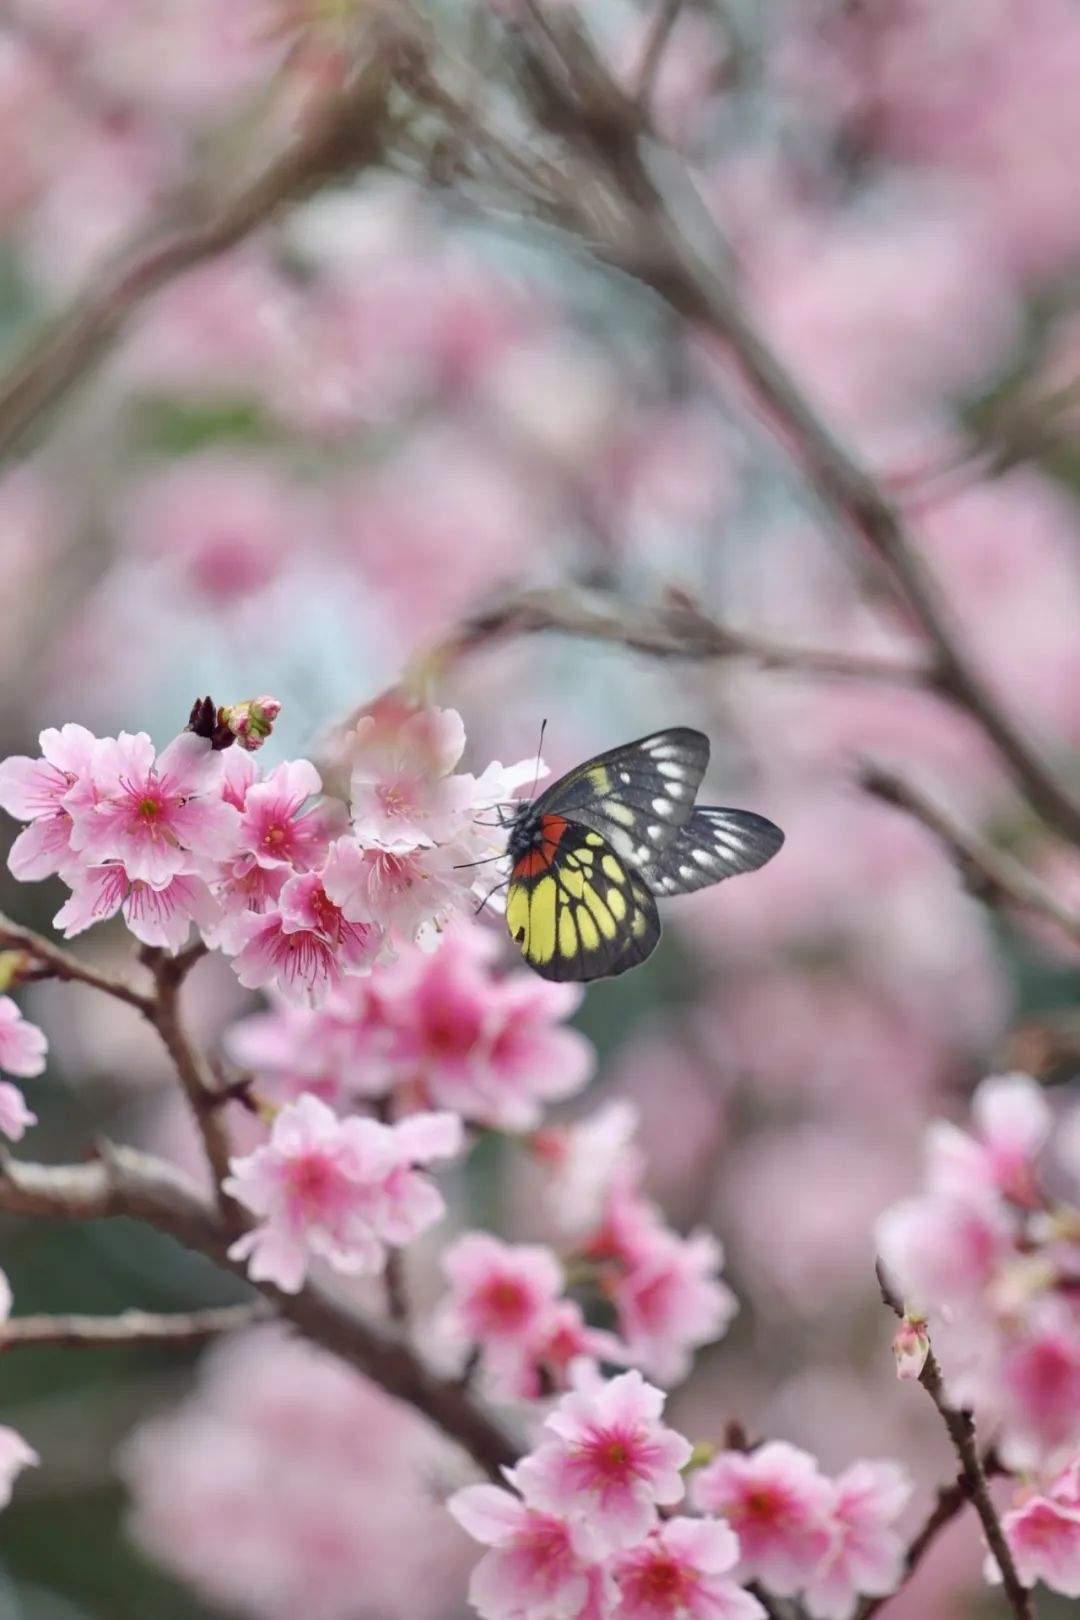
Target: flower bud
911,1346
251,722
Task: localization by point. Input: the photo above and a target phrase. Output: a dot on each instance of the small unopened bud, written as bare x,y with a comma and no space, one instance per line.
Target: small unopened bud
702,1454
251,722
911,1345
15,967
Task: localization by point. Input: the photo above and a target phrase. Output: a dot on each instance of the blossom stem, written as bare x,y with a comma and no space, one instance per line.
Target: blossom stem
123,1181
132,1327
960,1426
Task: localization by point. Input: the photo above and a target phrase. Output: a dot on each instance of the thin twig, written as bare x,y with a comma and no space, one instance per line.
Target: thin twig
61,964
125,1182
131,1327
960,1426
776,1608
995,876
671,631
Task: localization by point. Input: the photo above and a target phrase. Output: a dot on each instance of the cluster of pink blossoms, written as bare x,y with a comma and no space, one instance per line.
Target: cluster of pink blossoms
581,1535
987,1258
507,1305
270,872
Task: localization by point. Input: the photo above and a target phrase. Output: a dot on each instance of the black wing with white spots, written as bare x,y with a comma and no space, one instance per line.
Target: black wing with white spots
711,845
637,796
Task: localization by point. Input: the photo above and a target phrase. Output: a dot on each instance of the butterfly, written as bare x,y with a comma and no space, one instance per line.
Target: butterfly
590,856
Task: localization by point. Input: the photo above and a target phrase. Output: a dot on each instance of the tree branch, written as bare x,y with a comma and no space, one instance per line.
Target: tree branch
994,875
61,964
575,98
131,1327
343,133
125,1182
676,630
961,1430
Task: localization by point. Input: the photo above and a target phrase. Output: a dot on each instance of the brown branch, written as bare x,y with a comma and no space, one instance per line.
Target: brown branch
131,1327
61,964
992,874
677,630
125,1182
575,98
960,1426
344,133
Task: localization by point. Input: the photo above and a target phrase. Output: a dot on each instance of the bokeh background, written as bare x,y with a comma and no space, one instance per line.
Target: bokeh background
308,461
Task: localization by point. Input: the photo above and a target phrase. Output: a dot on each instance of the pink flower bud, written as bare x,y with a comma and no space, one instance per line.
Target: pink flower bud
911,1346
251,722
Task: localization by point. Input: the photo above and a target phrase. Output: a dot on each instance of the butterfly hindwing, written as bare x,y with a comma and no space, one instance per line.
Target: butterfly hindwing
711,845
581,913
636,796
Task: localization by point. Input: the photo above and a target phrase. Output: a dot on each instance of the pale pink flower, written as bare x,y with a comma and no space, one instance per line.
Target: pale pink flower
500,1294
682,1571
39,791
336,1190
15,1455
670,1302
14,1114
942,1250
160,818
22,1044
1044,1536
867,1554
412,891
1038,1381
611,1464
911,1346
563,1343
1013,1120
278,830
243,888
779,1505
537,1568
158,914
584,1158
305,946
534,1058
403,792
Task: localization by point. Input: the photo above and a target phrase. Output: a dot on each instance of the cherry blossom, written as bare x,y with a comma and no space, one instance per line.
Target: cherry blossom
538,1566
583,1160
412,889
1043,1533
337,1190
305,945
41,791
157,914
611,1463
1013,1121
500,1294
160,818
22,1044
682,1571
277,828
867,1554
670,1302
779,1505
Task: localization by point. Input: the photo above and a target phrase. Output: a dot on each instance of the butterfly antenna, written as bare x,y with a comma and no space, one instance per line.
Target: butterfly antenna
460,866
539,747
505,884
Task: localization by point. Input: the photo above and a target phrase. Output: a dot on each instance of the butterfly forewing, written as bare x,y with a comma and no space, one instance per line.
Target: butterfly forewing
637,796
711,845
578,911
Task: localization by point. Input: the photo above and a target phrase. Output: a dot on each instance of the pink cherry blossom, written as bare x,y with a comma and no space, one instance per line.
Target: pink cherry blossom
670,1302
22,1044
1013,1121
867,1554
583,1159
276,827
15,1455
304,946
943,1250
160,818
682,1572
40,791
402,788
611,1463
537,1567
500,1294
778,1504
1043,1533
412,890
158,914
336,1190
15,1116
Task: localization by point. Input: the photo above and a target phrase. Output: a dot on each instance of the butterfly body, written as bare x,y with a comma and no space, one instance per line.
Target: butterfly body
589,855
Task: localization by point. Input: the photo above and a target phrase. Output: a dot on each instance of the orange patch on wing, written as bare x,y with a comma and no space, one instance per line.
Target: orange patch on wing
538,860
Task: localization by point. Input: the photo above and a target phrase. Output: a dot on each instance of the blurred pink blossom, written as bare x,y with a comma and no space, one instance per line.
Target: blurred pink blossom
867,1556
22,1044
37,791
683,1572
536,1566
1043,1533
